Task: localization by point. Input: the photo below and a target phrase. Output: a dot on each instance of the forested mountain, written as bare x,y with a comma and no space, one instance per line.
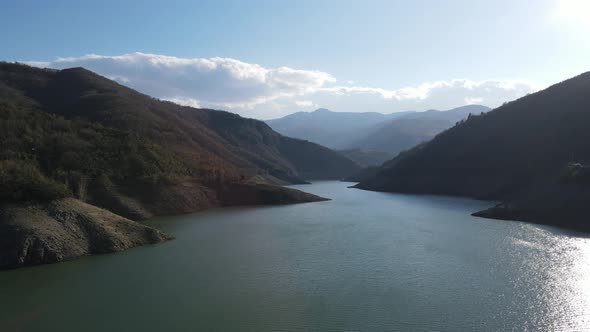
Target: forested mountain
72,133
531,154
371,138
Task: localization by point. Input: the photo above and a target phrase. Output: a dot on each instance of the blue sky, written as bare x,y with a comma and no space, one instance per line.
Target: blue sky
376,50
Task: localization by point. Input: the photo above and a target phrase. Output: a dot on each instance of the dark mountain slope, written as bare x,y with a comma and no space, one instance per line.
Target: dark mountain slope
203,138
516,153
72,133
367,158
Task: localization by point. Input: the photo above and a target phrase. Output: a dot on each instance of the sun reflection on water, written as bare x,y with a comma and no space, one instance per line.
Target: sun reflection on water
558,268
576,277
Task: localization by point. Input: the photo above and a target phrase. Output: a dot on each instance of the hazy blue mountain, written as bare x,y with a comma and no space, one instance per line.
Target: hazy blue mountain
411,129
370,138
331,129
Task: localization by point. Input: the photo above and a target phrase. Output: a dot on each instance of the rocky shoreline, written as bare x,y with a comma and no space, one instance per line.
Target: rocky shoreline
66,229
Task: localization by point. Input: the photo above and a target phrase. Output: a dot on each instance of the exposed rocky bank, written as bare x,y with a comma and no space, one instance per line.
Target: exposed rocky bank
66,229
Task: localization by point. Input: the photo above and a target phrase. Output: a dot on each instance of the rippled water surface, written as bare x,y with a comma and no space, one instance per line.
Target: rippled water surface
364,261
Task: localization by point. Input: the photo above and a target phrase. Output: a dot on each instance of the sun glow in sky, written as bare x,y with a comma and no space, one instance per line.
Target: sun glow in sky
576,12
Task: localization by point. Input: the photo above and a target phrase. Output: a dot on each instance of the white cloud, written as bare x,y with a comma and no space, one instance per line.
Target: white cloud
41,64
305,103
473,100
426,90
185,102
429,95
255,91
220,82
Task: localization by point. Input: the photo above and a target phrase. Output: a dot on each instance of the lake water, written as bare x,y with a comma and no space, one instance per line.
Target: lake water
364,261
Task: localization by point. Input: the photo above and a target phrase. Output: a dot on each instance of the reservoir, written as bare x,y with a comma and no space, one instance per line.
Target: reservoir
364,261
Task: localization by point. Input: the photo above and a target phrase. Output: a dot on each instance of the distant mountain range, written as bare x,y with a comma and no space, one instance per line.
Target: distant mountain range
372,137
331,129
74,144
532,154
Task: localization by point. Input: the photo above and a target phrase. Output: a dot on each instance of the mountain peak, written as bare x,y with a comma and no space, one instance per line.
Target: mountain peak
322,110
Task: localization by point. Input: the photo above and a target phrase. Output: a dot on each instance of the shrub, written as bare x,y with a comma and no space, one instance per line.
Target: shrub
22,181
576,173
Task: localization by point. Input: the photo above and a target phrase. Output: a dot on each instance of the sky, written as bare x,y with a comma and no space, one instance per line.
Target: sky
266,59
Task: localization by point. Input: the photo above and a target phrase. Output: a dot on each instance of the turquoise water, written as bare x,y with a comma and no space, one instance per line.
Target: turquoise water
364,261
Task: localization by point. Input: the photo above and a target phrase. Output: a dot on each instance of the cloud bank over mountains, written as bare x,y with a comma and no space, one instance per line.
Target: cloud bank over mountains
255,91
